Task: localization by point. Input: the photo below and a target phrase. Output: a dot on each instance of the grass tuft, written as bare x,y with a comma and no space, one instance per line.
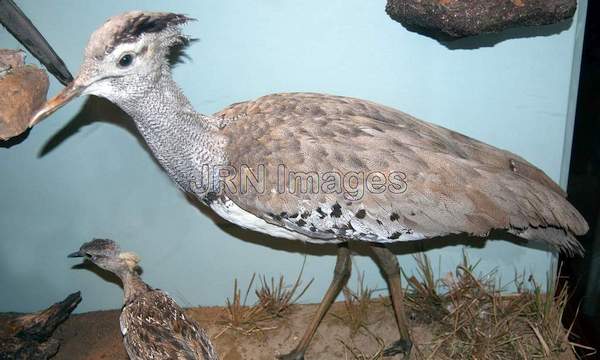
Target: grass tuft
277,297
474,319
241,317
356,304
423,296
274,300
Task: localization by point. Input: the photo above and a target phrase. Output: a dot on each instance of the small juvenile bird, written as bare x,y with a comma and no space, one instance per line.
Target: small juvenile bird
152,324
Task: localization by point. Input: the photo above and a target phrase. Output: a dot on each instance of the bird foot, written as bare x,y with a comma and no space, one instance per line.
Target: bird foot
294,355
402,346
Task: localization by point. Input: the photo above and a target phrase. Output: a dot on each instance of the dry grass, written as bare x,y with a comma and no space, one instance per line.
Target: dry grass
241,317
351,351
470,315
473,319
356,305
274,300
277,297
423,297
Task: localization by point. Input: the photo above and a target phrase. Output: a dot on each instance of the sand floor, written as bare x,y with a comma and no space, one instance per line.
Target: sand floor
96,335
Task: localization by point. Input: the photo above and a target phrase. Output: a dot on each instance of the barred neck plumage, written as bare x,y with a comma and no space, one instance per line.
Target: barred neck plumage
133,285
183,141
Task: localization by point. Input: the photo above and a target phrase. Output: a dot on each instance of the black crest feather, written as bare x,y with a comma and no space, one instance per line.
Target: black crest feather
148,23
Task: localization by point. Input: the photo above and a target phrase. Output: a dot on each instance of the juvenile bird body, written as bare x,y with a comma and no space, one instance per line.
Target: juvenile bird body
152,324
435,181
155,327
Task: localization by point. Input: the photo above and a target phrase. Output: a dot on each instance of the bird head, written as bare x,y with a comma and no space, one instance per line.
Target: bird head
107,255
123,58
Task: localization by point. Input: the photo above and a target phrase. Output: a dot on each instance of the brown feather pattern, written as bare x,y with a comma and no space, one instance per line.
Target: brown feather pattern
454,184
149,320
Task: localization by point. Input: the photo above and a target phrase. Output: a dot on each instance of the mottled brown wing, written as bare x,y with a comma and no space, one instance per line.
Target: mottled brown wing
155,327
452,183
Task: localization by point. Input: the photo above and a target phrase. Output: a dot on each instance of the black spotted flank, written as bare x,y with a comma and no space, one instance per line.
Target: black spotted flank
394,236
300,222
294,215
350,227
394,217
210,197
379,222
275,217
305,215
360,214
284,214
336,210
321,213
313,228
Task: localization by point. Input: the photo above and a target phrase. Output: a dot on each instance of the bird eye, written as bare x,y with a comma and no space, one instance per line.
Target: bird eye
125,60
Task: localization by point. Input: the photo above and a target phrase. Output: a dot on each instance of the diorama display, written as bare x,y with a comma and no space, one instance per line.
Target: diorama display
463,315
321,169
126,62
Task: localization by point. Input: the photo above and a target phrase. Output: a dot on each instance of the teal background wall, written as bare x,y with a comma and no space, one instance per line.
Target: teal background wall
80,176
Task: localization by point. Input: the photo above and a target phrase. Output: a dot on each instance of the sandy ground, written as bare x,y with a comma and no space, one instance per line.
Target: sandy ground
96,335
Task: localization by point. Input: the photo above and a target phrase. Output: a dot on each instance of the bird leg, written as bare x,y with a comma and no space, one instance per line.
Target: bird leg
388,263
341,274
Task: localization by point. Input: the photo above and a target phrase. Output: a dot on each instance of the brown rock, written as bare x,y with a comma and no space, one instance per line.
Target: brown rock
10,59
460,18
23,90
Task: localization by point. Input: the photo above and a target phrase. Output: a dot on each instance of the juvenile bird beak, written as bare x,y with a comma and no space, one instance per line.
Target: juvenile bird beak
56,102
76,254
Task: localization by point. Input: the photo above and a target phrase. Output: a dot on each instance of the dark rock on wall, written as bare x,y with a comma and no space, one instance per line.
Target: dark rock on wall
461,18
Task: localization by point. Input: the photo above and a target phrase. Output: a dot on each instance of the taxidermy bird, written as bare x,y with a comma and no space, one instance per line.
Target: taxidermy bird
384,176
152,324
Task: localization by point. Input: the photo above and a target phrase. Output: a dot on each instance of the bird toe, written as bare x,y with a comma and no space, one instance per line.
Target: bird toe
294,355
402,346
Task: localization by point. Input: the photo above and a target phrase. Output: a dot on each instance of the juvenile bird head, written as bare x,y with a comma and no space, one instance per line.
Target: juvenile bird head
107,255
123,59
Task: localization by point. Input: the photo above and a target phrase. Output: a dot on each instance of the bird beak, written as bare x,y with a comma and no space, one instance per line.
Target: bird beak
76,254
68,93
